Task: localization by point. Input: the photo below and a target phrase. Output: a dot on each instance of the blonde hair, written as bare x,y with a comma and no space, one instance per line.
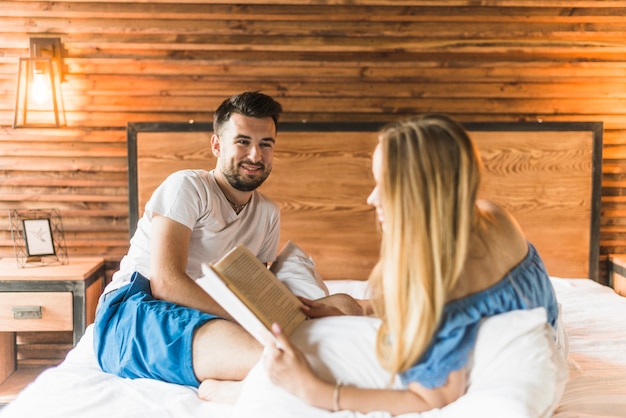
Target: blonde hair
429,184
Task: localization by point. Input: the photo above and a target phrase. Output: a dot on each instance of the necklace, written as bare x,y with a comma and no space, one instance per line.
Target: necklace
236,207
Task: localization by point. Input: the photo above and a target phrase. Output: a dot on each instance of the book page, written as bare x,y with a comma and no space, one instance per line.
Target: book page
260,290
214,285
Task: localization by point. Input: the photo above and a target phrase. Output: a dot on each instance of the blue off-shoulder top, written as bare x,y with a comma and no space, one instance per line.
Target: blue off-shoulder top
526,286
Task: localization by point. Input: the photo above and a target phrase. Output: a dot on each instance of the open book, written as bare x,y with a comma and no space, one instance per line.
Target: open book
251,294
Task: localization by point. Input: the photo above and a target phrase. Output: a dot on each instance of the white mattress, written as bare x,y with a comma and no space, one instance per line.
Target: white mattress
594,318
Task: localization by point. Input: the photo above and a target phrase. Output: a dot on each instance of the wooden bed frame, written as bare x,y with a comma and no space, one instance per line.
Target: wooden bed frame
544,173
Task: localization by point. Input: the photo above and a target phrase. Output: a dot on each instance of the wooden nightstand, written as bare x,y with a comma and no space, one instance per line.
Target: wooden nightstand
617,272
43,298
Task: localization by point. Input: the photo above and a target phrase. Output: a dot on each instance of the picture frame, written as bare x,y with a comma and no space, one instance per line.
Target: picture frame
38,237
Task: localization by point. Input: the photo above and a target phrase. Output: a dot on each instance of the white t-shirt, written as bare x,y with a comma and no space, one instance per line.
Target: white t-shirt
193,198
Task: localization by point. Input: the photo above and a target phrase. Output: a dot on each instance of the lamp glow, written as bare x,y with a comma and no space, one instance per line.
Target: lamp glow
40,91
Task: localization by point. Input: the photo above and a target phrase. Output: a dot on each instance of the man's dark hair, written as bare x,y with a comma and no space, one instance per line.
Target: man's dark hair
251,104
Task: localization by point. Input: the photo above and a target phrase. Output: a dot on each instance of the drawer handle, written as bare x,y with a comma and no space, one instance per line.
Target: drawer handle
26,312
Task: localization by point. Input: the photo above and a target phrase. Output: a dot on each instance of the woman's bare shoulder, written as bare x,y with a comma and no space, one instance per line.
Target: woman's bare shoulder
496,246
500,223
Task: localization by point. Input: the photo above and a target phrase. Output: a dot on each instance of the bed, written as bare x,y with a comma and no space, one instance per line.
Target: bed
547,174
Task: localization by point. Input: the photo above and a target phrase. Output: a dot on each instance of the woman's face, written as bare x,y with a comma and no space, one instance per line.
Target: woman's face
374,198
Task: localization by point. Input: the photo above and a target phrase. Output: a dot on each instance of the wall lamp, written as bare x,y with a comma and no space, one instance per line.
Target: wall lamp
38,101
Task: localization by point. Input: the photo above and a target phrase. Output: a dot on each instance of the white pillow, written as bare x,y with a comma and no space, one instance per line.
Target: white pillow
297,270
338,347
516,370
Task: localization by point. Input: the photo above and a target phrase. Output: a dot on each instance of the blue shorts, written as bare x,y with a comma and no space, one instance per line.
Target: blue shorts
138,336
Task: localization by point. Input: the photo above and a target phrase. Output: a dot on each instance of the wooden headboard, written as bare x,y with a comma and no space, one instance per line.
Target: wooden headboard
547,174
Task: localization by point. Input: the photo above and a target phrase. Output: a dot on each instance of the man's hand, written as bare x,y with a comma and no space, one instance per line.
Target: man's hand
333,305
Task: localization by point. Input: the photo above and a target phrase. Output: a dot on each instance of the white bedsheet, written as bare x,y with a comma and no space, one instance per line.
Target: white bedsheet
77,388
594,318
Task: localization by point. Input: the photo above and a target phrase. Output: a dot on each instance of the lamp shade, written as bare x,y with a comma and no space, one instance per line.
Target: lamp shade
38,101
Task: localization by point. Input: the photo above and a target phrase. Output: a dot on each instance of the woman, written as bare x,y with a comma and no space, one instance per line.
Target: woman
447,260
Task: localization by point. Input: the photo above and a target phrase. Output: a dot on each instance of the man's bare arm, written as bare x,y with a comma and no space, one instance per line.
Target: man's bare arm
168,262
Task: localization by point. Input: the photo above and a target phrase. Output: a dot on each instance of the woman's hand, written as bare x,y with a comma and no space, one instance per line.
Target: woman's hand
333,305
287,367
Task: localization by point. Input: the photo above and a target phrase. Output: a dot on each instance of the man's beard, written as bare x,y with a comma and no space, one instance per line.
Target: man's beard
242,182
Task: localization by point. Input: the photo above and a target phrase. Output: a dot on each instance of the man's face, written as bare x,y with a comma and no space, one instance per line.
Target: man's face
245,150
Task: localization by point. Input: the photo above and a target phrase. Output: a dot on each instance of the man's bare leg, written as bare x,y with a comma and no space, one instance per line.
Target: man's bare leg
223,354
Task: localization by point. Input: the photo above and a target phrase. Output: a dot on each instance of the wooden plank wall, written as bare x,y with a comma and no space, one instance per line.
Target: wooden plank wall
335,60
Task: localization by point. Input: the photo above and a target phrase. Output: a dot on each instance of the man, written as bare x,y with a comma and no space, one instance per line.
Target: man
154,321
